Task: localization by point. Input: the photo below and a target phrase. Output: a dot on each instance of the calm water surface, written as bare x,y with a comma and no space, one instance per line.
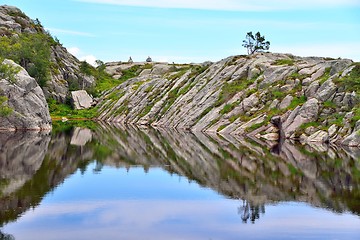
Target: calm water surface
114,182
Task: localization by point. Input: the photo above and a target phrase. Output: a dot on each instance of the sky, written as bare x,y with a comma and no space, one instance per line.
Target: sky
184,31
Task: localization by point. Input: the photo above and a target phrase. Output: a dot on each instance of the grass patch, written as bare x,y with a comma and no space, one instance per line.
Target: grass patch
309,124
221,127
230,89
329,104
289,62
228,107
325,76
59,110
277,94
352,81
255,126
297,101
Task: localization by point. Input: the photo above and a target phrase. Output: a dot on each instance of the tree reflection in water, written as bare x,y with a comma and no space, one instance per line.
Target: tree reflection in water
248,211
4,236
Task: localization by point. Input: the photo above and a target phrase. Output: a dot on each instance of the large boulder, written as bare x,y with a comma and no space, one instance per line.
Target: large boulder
300,115
25,99
81,99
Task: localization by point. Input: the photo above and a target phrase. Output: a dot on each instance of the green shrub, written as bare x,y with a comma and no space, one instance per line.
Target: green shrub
58,110
5,110
288,62
329,104
8,72
352,81
277,94
228,108
31,51
297,101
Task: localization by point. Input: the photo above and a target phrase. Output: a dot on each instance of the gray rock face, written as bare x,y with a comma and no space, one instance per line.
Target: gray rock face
81,99
353,140
300,115
235,96
319,136
26,99
286,102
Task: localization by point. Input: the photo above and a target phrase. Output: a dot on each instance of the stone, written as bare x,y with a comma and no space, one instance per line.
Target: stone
81,136
27,101
81,99
332,130
326,91
271,136
312,89
319,136
286,102
300,115
353,140
318,74
274,104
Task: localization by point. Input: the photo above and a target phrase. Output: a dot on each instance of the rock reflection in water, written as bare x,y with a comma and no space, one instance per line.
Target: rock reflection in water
32,165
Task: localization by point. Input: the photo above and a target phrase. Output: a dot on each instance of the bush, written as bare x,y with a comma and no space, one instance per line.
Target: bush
32,52
8,72
4,109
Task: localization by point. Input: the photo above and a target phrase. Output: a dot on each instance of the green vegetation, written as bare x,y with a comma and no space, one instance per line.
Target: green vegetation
221,127
146,110
5,110
58,110
325,76
255,126
206,111
255,43
309,124
8,72
329,104
228,107
278,94
289,62
230,89
32,52
297,101
352,81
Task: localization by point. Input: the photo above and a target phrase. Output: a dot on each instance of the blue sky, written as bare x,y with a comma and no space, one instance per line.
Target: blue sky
197,30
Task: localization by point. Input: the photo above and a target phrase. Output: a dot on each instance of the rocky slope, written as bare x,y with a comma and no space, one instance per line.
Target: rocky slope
265,95
65,68
23,104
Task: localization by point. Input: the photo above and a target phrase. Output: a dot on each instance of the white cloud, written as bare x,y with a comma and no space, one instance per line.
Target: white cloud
89,59
81,56
232,5
69,32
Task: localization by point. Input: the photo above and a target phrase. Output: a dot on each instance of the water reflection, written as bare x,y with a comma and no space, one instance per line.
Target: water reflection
254,173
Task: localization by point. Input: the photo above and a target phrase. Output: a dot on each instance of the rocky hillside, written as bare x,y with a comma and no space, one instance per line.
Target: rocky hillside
54,68
22,102
265,95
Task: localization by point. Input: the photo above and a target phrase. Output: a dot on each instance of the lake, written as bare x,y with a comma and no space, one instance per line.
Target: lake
117,182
